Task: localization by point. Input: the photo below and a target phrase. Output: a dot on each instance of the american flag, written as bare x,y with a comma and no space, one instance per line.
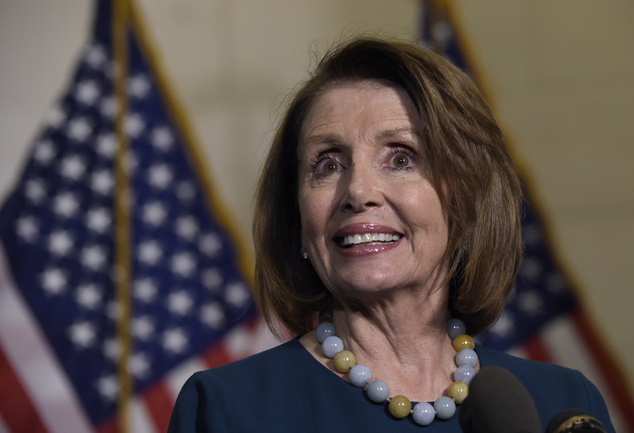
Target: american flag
543,319
64,361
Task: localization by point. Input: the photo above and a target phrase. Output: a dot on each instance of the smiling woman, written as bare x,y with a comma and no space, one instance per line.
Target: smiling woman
363,178
387,203
442,124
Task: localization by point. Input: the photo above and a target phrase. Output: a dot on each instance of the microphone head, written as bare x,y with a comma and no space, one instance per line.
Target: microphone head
574,420
498,403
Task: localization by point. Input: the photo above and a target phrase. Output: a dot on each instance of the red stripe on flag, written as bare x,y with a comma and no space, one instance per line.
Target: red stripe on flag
15,406
159,403
217,355
608,368
536,349
109,426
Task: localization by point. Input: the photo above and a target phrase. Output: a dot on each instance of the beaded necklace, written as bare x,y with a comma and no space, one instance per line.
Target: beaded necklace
423,413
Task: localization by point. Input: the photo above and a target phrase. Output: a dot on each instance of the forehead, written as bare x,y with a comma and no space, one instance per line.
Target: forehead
368,105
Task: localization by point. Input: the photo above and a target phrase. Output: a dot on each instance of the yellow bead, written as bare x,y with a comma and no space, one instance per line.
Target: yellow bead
400,406
463,342
458,391
344,361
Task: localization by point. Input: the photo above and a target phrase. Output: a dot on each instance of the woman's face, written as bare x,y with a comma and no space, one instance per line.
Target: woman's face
371,220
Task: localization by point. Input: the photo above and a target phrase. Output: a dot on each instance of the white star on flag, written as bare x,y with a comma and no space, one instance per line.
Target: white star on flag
89,296
145,290
134,125
60,242
139,365
98,220
212,315
237,294
72,167
142,327
210,244
185,192
149,252
106,145
108,387
44,152
87,92
34,190
175,340
162,138
66,204
180,302
102,182
212,279
183,264
54,281
187,227
79,129
138,86
112,349
94,257
27,228
160,176
108,106
83,334
154,213
95,56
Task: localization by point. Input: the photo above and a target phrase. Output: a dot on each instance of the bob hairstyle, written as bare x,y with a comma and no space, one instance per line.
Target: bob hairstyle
466,153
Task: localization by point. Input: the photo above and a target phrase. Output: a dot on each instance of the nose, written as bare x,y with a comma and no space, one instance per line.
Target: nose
361,190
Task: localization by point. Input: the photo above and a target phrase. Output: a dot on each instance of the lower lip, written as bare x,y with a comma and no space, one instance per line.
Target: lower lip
366,250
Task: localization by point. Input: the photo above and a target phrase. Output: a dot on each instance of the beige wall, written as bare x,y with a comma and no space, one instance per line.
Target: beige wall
561,73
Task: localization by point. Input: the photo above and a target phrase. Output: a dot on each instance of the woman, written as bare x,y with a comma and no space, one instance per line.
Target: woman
388,202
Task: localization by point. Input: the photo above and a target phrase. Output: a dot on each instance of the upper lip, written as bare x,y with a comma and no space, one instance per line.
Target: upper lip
360,228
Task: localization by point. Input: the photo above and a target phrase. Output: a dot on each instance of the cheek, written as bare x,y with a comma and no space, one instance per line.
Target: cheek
422,208
312,214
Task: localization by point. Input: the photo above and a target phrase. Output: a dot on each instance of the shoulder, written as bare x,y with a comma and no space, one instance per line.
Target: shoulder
537,376
211,397
554,388
253,369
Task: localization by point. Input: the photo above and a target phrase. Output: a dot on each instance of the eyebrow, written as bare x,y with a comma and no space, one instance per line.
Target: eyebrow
397,131
334,140
323,139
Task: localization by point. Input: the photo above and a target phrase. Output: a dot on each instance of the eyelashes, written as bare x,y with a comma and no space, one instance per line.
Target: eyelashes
330,162
402,158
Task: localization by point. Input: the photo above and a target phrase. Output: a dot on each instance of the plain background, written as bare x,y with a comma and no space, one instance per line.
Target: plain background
560,75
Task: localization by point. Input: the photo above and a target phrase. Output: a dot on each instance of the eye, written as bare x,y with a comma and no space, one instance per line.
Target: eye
401,159
327,166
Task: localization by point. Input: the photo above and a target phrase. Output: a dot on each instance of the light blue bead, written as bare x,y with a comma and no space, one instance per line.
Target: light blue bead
423,413
466,357
324,330
378,391
455,327
331,346
360,375
464,374
445,407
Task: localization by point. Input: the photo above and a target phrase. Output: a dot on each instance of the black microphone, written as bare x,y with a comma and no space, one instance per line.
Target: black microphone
574,421
498,403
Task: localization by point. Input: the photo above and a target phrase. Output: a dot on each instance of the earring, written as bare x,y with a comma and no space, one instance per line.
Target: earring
303,253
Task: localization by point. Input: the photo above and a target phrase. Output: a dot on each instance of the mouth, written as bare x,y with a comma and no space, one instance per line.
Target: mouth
367,239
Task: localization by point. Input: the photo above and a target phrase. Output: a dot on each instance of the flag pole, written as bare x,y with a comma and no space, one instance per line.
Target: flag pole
123,235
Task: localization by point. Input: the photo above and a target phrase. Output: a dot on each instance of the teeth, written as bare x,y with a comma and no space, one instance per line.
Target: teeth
369,238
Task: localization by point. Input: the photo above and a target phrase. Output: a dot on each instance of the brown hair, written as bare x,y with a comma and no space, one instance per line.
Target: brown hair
465,151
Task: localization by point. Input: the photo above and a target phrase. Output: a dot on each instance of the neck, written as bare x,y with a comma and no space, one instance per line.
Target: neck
404,342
